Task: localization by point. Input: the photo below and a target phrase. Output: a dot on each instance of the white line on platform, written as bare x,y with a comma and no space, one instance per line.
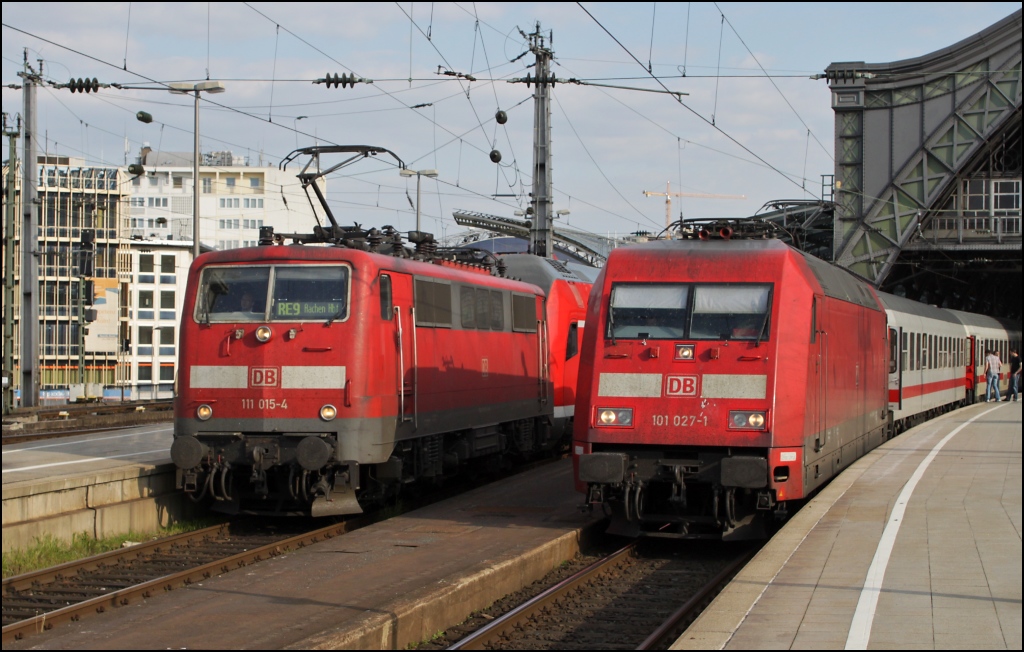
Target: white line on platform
90,459
11,451
864,616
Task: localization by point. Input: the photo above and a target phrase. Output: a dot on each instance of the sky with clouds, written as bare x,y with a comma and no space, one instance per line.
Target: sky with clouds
753,123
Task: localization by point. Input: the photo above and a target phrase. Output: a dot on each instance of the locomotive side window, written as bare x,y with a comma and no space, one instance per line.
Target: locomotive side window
482,305
235,294
648,311
497,312
467,306
433,303
572,347
730,312
524,313
306,292
385,297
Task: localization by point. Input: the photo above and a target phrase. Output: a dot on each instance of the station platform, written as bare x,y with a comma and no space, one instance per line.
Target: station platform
104,484
915,546
385,586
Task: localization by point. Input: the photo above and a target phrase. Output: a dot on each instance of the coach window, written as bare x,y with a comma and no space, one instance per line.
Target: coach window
903,351
385,297
894,343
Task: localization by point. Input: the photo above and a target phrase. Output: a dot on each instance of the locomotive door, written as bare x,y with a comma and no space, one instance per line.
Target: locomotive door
405,344
819,349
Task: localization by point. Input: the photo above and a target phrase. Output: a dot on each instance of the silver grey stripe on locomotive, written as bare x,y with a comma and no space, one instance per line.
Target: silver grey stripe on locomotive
208,377
312,377
733,386
630,385
219,377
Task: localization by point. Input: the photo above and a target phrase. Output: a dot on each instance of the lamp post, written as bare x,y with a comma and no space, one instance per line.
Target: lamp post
295,128
419,174
184,88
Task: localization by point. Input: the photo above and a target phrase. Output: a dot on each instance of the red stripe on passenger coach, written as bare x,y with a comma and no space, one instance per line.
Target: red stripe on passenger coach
913,391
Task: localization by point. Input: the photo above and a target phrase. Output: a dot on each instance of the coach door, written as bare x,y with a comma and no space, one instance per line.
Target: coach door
403,318
896,337
972,366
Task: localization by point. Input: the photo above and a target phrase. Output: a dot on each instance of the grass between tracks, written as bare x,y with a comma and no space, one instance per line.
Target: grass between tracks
49,551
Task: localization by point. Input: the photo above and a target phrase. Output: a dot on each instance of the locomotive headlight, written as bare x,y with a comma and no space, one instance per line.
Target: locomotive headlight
620,417
263,333
685,352
328,412
747,420
204,412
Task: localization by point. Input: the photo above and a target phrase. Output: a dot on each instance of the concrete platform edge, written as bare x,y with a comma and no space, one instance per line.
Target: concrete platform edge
419,617
715,626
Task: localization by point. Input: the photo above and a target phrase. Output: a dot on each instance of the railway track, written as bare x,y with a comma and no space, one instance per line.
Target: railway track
37,602
79,419
628,600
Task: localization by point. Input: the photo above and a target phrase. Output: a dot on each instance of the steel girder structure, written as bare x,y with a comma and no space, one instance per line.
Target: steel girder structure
904,130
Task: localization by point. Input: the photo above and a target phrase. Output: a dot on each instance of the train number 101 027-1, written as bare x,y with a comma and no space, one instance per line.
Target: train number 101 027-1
264,404
679,420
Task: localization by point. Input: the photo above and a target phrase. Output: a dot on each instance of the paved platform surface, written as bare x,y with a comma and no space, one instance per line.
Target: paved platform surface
382,587
53,459
915,546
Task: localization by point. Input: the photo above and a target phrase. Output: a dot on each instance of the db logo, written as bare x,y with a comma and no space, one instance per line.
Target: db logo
264,377
680,386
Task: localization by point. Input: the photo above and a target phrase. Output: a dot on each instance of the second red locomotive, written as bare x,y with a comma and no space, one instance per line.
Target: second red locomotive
723,378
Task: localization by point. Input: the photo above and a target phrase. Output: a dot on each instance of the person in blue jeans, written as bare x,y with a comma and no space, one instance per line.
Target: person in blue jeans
1014,389
993,365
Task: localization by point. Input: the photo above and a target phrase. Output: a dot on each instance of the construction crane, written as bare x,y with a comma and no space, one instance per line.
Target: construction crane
668,195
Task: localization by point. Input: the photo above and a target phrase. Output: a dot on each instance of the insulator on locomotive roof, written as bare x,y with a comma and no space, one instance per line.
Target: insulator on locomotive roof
266,236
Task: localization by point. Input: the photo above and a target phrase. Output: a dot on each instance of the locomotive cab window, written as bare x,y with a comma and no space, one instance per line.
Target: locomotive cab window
730,312
282,293
648,311
235,294
307,292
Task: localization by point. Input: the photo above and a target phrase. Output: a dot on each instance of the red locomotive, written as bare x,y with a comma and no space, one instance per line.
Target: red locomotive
723,378
320,379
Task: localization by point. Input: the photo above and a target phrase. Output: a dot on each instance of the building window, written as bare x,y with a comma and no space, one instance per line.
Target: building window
145,372
167,300
178,182
166,264
207,186
145,335
146,263
167,335
153,181
167,372
145,298
254,182
229,182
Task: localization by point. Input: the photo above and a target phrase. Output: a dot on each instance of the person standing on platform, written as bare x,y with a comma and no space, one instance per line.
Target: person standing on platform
993,366
1014,389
